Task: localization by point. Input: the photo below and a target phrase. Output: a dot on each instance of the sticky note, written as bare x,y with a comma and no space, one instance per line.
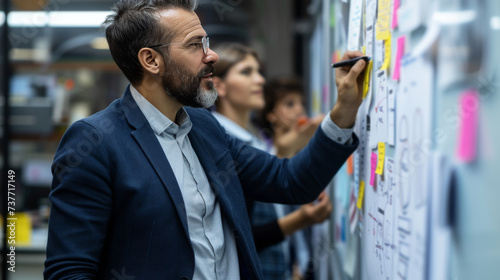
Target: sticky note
373,168
381,158
469,105
399,54
361,194
383,20
387,54
395,7
366,81
350,165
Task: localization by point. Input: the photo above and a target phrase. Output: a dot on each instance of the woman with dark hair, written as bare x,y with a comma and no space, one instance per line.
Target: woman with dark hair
240,88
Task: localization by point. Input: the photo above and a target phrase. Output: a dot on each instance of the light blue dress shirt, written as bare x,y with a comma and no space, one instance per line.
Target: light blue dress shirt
213,242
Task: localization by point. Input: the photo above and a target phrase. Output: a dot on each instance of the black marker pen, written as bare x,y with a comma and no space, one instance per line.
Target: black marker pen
350,62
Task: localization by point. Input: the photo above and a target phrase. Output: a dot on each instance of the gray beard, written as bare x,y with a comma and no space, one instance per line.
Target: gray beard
206,98
186,87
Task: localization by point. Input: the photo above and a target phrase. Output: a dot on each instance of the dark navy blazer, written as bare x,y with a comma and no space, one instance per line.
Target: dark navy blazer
117,210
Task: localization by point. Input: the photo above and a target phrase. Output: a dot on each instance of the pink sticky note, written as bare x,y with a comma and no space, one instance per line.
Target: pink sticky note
399,54
469,104
395,7
373,168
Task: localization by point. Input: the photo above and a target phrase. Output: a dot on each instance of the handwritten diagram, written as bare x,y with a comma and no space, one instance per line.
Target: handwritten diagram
414,127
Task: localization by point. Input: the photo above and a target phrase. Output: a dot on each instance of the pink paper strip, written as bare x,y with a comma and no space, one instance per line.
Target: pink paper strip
469,103
373,168
395,7
399,54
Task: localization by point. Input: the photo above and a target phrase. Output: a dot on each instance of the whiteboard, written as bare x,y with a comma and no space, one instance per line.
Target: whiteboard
431,213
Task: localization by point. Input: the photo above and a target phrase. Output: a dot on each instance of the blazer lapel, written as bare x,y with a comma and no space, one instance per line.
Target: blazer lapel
210,168
149,144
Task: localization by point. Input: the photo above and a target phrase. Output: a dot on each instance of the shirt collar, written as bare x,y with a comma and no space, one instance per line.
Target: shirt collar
159,122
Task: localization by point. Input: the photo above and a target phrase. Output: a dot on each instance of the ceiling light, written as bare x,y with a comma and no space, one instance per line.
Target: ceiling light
454,18
495,23
55,19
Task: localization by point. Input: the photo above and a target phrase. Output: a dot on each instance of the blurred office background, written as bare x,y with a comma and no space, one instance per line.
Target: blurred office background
59,70
56,68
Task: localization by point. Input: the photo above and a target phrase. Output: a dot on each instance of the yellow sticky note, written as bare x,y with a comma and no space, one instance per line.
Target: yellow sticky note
381,157
382,26
366,81
387,54
22,224
361,194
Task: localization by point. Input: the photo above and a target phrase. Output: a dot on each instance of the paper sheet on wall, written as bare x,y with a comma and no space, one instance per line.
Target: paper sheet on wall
410,16
391,100
355,17
360,128
371,10
378,250
381,107
320,244
351,259
414,126
379,54
372,132
369,42
357,164
461,50
440,231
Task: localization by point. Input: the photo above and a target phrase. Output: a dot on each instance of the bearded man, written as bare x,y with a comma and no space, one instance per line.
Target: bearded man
152,187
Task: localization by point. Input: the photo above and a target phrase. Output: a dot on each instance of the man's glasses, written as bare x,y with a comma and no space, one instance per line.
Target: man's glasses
205,42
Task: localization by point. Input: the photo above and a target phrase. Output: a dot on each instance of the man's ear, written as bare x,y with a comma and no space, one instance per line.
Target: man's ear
220,85
150,60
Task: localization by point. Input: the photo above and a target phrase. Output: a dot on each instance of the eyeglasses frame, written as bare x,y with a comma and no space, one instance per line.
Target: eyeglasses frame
205,41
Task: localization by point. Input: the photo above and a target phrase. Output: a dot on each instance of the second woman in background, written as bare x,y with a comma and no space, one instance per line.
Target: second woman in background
241,92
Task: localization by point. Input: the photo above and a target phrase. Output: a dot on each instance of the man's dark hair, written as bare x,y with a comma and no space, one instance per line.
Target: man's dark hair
135,25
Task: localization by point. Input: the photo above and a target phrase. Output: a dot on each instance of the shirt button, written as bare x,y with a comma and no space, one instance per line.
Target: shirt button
339,139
